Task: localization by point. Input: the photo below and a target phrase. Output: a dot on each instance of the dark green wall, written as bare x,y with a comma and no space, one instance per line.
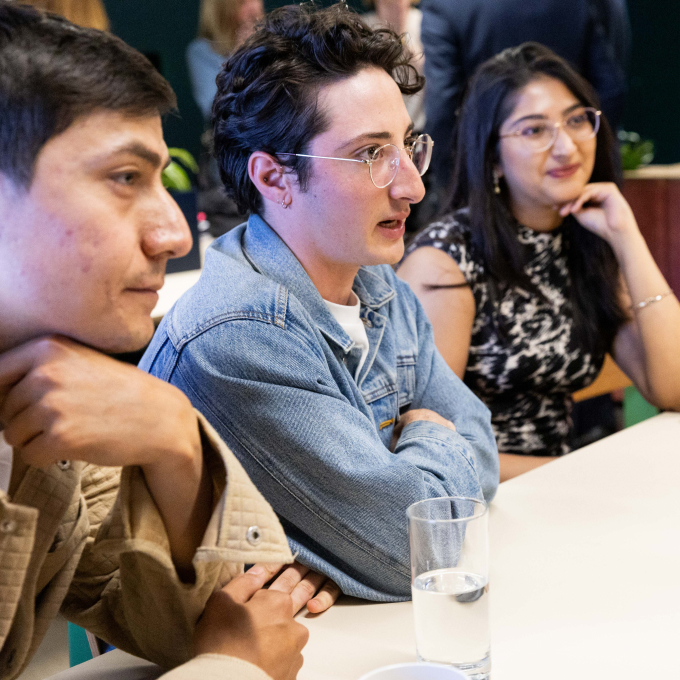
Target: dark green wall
653,106
165,28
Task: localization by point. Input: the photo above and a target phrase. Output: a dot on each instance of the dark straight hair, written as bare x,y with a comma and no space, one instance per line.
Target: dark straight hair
594,270
52,72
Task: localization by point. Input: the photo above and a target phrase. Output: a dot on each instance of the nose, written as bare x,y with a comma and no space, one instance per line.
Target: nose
408,184
167,234
563,145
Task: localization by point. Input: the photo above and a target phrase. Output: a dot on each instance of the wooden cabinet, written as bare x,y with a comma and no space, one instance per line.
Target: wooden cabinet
654,195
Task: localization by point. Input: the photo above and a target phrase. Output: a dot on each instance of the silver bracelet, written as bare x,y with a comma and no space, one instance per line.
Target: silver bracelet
652,300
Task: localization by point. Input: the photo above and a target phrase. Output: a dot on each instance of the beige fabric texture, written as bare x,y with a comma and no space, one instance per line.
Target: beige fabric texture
90,541
216,667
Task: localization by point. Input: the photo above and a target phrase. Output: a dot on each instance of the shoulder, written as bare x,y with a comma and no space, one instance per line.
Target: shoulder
200,52
451,234
446,8
230,290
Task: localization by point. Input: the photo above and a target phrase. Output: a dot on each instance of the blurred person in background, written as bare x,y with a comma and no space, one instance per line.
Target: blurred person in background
87,13
223,26
539,268
592,35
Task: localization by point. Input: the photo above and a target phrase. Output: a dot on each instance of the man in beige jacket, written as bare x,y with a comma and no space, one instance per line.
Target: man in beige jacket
86,228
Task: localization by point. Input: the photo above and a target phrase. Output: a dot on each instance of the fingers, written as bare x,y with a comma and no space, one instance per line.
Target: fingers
298,581
325,598
23,429
244,586
29,390
289,577
597,192
14,365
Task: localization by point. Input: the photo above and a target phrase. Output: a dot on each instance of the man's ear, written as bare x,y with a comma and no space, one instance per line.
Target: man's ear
269,177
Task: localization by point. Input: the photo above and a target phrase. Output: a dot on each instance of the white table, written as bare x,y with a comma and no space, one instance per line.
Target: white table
585,578
174,287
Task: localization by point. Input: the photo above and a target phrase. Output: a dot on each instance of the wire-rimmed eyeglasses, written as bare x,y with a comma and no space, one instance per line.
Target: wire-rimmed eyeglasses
539,135
383,163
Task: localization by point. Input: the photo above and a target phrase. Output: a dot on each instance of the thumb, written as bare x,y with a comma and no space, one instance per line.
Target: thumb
244,586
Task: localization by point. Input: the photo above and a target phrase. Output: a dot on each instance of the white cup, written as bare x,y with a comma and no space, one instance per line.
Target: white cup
415,671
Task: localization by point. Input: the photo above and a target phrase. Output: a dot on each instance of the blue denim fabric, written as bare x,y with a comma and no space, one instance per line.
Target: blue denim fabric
256,350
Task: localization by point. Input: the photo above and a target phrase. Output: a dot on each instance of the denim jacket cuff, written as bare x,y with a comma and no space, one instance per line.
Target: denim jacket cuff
426,429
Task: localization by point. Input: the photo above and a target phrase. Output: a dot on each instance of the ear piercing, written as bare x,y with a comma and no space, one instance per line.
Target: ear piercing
496,184
285,205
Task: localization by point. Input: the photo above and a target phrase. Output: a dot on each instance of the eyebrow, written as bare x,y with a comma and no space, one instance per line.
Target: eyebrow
368,136
540,116
144,152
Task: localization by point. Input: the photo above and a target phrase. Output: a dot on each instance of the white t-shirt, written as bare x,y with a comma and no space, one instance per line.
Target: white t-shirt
349,317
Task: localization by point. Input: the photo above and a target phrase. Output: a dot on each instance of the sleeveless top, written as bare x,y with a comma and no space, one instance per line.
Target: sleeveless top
525,375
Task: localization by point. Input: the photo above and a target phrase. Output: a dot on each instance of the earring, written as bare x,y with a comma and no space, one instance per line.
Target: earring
265,180
496,184
285,205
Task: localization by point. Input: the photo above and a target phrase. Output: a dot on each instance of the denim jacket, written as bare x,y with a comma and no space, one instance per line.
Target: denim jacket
257,351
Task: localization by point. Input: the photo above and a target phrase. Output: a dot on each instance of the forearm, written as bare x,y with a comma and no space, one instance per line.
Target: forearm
657,325
513,465
182,490
446,394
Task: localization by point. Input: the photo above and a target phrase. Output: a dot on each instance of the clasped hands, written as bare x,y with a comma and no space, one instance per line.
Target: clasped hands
247,621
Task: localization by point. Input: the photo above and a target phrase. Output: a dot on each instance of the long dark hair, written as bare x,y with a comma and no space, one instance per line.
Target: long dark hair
594,270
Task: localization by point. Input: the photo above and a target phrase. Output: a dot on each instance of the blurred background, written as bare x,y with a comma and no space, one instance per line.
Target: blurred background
163,29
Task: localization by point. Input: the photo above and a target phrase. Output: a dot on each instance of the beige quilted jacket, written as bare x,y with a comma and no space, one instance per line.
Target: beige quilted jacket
90,541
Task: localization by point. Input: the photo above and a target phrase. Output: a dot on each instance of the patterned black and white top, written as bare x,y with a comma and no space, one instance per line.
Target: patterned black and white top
526,375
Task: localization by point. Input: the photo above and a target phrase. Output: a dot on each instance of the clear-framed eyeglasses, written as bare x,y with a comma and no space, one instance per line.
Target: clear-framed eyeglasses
383,162
539,135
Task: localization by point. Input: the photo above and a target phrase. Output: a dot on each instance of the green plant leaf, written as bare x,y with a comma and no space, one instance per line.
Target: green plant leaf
635,152
185,158
174,177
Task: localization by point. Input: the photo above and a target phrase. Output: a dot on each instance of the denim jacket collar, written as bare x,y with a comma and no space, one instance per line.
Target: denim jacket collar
269,255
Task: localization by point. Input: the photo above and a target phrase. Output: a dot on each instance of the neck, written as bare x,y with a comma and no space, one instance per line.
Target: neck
333,280
538,218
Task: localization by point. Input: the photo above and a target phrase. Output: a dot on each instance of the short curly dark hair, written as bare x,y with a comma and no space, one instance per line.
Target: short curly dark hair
267,90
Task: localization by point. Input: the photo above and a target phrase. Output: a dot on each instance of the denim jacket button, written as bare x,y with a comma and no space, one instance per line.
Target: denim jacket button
366,322
64,465
254,535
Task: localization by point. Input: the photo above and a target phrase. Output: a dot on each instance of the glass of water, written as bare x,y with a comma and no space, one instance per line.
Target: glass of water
450,582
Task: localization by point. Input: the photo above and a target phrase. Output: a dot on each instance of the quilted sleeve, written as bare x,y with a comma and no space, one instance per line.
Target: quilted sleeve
126,589
216,667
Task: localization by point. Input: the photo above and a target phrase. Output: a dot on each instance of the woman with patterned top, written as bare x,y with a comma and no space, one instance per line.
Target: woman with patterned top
539,268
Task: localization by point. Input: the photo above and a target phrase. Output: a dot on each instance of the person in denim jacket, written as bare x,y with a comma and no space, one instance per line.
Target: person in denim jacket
310,358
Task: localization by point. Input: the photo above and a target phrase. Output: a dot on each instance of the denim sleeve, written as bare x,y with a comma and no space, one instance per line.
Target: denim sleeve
445,82
439,389
340,493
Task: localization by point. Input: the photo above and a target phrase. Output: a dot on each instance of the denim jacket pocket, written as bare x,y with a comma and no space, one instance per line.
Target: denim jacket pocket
406,379
382,399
